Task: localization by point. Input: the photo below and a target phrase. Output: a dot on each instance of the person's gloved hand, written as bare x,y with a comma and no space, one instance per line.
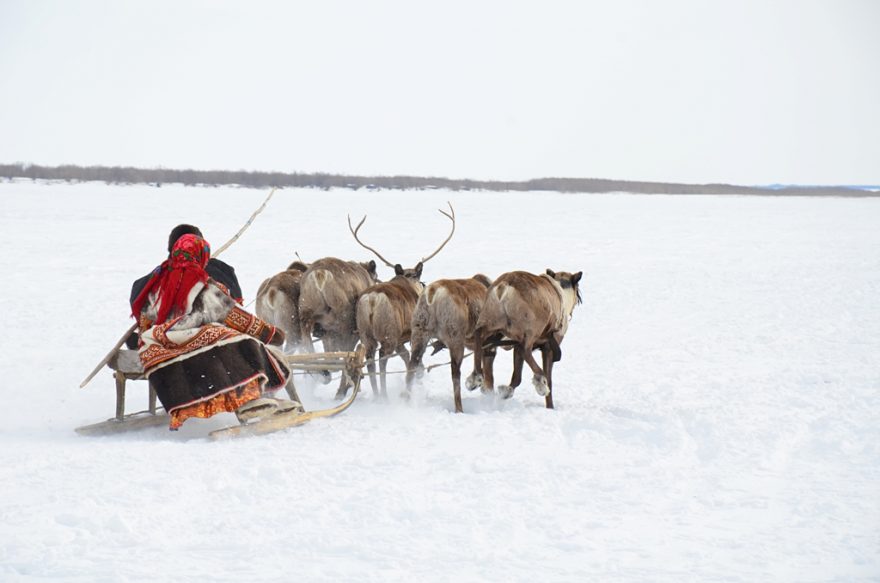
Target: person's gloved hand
277,337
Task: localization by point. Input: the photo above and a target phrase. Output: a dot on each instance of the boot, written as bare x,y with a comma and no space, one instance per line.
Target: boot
255,409
285,406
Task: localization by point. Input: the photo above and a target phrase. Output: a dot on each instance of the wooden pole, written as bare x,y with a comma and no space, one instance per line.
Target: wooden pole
246,225
110,355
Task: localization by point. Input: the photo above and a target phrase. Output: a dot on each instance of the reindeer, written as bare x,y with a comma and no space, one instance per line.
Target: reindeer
385,310
329,289
448,310
278,303
532,311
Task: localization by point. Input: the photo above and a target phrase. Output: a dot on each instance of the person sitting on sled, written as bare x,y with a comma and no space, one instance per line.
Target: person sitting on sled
201,352
220,271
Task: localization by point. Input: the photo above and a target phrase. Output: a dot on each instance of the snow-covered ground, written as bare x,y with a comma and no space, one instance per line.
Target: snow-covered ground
718,401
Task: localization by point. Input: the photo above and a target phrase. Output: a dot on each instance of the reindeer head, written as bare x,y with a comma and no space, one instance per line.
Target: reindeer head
413,274
570,289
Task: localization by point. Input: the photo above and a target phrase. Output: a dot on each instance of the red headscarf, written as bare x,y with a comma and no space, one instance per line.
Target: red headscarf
173,280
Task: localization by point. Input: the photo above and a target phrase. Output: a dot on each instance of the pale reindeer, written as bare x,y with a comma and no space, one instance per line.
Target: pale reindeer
385,310
448,311
278,303
328,292
532,311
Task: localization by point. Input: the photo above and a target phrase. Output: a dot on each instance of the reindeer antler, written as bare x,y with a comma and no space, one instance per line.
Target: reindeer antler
451,217
354,232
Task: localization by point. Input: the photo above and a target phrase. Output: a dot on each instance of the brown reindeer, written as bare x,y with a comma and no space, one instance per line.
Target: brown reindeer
329,289
384,311
448,311
278,303
533,312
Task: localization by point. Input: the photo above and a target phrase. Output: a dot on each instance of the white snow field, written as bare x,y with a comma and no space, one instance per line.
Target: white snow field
718,399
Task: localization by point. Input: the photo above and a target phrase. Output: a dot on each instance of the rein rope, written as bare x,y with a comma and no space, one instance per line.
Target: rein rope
427,369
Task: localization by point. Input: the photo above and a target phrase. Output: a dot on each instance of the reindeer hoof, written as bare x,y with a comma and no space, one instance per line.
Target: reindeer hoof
420,372
505,391
406,396
340,394
323,376
473,381
541,387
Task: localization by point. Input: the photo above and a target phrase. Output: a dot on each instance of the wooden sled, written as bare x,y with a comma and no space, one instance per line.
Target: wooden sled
126,366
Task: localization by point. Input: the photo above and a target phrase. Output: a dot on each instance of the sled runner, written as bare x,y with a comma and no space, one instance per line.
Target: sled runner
287,419
126,366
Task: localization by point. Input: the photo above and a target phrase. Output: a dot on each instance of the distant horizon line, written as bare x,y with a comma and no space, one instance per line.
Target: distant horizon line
326,180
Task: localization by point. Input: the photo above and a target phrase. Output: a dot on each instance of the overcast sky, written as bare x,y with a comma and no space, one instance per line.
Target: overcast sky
750,92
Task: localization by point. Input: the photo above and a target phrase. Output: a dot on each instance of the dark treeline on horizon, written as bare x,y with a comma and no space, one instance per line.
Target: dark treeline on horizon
159,176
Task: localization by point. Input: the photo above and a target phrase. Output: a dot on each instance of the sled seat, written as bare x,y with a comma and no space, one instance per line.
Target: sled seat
126,366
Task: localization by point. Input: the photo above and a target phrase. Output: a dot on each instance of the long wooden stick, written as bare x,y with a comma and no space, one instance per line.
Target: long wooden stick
246,225
110,355
128,332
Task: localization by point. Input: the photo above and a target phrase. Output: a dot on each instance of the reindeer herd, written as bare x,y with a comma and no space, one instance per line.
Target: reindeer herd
343,303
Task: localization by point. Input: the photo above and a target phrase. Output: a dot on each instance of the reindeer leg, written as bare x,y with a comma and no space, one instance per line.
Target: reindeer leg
415,367
549,357
488,362
489,359
345,342
540,381
294,338
404,354
506,391
384,354
308,347
306,334
456,350
371,366
476,378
